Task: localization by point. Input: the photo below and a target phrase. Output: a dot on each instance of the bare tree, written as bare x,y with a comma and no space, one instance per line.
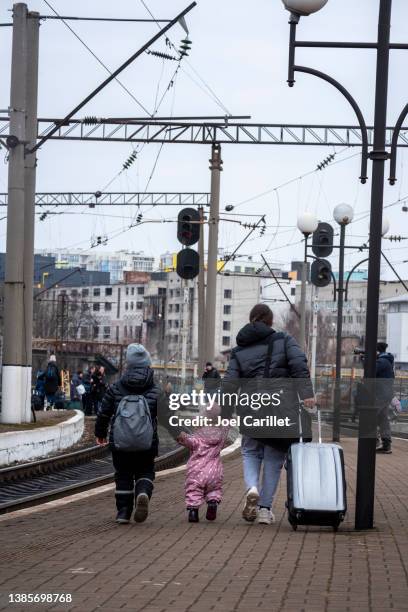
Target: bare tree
63,318
325,345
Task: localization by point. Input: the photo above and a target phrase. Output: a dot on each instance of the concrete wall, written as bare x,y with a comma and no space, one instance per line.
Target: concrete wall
35,443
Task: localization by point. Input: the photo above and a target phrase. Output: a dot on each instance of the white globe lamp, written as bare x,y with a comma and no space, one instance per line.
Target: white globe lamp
304,7
343,214
385,227
307,223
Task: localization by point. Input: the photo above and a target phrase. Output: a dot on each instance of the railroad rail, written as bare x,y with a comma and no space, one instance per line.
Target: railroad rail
41,481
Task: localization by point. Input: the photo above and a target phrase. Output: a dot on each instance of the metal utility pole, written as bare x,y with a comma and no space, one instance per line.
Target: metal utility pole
364,517
340,300
211,295
185,332
33,27
201,297
314,334
16,382
302,322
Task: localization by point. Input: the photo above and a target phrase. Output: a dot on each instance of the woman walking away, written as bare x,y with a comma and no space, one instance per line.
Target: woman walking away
262,353
129,406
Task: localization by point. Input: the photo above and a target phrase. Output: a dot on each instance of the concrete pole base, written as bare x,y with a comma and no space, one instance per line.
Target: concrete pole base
16,394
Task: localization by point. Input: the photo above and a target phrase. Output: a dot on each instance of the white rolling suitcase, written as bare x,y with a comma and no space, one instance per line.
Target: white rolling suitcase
316,484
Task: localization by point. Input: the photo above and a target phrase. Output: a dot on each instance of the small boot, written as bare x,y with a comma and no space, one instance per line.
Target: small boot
123,515
142,507
211,514
193,516
385,447
124,505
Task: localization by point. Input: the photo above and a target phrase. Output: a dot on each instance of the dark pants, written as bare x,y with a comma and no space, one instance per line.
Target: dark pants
87,404
134,474
383,422
95,402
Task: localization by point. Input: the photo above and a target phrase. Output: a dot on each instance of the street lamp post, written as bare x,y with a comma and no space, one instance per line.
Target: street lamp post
307,224
343,215
364,516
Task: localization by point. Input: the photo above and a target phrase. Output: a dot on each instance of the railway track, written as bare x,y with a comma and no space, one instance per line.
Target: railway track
47,479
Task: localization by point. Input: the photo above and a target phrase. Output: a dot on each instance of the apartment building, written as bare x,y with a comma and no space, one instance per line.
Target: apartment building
116,263
355,306
109,313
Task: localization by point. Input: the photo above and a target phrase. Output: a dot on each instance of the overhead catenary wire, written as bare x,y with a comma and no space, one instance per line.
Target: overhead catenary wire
207,87
98,59
114,19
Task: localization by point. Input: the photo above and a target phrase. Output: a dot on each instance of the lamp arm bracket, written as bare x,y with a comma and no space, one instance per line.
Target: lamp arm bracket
354,105
394,144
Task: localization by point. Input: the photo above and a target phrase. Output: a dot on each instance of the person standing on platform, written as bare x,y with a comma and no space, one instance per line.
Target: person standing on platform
210,377
52,380
385,393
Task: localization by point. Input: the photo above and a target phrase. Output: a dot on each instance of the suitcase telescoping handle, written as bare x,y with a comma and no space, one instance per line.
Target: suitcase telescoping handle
319,422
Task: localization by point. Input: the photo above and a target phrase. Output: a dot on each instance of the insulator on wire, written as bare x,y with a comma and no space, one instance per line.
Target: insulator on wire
132,157
395,238
139,218
162,55
325,162
90,120
185,47
43,216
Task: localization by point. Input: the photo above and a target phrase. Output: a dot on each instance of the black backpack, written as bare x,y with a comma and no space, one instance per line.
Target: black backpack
51,375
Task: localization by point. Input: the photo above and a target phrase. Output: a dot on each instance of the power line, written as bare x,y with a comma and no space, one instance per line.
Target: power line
120,19
98,59
206,85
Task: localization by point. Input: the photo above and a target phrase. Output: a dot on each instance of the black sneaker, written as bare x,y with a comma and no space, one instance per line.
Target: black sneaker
211,514
123,515
193,516
142,507
384,449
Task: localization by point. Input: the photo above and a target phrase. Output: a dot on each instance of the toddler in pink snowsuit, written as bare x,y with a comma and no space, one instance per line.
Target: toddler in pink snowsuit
204,475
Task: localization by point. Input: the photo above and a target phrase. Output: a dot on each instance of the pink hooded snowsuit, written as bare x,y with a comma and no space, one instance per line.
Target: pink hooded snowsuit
204,476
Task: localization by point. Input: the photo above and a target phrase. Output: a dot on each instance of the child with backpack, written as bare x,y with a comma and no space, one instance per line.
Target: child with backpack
130,407
204,474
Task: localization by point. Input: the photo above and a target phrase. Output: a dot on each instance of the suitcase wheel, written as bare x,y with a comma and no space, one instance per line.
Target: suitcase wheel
294,526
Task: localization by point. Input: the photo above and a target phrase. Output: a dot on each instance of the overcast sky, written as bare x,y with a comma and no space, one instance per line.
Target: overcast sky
240,51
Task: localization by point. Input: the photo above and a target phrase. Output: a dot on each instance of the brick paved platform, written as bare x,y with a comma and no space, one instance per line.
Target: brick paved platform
168,564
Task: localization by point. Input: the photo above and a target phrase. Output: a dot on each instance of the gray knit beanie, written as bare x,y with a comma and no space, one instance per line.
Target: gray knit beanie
136,355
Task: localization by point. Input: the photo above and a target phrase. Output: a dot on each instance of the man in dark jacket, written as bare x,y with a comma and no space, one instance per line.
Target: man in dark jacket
211,377
134,471
384,393
260,348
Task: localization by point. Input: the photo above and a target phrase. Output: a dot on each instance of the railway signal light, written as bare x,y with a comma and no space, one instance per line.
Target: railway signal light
322,243
321,273
188,263
188,226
